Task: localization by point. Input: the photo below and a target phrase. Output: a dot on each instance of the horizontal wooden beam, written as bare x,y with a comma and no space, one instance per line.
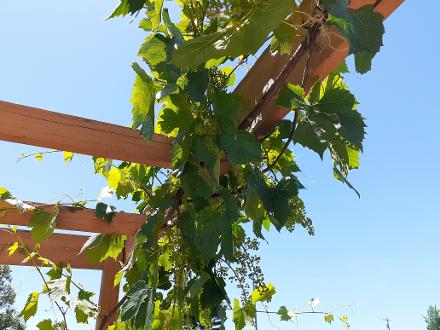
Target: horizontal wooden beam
333,49
47,129
60,248
58,131
77,219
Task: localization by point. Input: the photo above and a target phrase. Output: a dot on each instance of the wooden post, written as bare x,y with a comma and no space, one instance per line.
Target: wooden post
109,294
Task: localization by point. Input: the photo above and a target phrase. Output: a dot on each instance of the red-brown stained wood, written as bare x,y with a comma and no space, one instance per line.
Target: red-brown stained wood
58,131
109,294
60,248
78,219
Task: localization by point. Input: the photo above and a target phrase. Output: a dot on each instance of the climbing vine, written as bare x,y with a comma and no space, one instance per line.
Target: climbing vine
207,214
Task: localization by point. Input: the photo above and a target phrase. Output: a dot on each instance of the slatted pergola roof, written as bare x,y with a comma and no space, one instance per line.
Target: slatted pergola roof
42,128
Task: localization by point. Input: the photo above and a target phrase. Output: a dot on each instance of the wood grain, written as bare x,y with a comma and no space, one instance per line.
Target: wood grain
61,248
78,219
38,127
109,295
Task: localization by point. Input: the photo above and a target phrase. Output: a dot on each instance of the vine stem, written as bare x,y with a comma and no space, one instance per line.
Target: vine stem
111,313
296,115
278,83
31,258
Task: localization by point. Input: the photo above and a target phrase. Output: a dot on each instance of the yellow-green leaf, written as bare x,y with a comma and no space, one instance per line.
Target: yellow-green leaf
30,309
114,177
13,248
329,318
45,325
68,156
263,293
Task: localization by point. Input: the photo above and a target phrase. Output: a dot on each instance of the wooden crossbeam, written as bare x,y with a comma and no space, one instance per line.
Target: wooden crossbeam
61,248
47,129
77,219
58,131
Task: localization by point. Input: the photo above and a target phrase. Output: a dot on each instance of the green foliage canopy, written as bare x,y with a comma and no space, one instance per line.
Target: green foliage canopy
203,224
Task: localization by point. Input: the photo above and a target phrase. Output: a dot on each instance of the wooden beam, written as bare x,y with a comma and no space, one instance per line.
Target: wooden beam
333,49
58,131
47,129
108,296
84,220
60,248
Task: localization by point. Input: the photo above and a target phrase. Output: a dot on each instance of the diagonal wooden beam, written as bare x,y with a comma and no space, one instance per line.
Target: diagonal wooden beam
77,219
47,129
60,248
333,49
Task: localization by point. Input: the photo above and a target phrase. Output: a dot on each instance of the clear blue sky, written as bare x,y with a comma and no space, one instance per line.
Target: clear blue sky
380,253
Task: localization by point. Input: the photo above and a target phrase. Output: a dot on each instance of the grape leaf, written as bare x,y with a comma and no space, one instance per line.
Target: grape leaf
195,183
241,146
239,38
138,294
197,85
154,15
238,316
45,325
43,224
306,136
128,7
143,98
106,212
362,27
341,102
291,97
155,49
102,246
283,313
30,309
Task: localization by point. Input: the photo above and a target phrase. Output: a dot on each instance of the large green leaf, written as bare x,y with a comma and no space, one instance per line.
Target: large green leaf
341,103
238,315
30,309
155,49
208,231
226,108
242,147
138,294
128,7
276,200
42,224
154,15
362,27
291,97
238,38
306,136
212,294
195,183
102,246
143,98
197,85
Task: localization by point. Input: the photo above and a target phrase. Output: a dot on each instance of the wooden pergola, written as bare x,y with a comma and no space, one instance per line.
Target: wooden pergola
42,128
